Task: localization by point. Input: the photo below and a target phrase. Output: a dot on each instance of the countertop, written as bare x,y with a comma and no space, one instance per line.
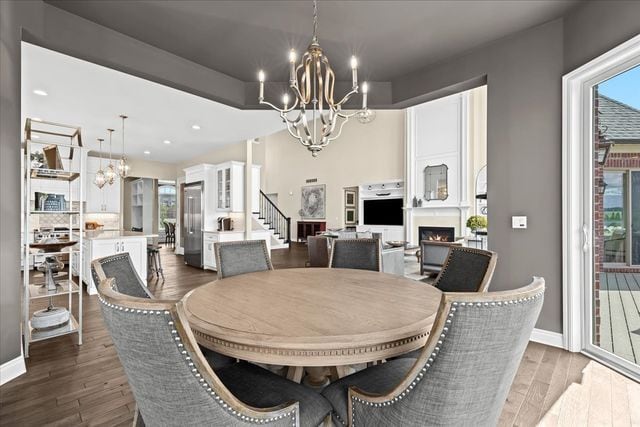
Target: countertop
115,234
233,231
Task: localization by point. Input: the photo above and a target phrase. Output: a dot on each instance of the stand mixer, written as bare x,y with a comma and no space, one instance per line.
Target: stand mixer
51,317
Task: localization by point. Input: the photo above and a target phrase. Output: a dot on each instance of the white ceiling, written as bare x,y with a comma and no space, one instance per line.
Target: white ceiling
84,94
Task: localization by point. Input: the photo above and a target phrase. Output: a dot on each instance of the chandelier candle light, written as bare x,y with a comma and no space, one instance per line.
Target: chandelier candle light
312,82
110,172
100,179
123,167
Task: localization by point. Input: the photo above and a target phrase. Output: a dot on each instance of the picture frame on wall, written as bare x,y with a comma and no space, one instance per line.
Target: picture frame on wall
350,216
313,201
350,198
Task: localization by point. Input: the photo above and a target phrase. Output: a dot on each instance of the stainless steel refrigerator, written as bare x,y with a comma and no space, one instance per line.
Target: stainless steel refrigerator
192,224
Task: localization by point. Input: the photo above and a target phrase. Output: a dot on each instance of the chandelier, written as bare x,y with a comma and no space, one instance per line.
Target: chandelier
123,166
110,172
312,83
99,180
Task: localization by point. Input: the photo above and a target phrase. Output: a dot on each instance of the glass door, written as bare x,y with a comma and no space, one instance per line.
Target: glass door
613,294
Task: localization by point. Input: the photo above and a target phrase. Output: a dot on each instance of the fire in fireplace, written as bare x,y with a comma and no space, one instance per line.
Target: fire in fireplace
440,234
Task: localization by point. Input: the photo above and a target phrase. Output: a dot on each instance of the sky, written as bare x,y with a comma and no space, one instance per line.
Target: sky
624,87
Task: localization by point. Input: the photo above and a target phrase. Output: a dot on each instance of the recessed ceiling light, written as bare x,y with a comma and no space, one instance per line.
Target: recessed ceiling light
195,127
166,141
40,92
36,136
36,119
147,152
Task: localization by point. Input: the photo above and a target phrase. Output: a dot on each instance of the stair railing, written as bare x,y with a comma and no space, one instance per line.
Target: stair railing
274,218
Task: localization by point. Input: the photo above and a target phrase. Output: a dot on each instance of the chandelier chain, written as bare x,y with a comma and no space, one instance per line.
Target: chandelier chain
315,20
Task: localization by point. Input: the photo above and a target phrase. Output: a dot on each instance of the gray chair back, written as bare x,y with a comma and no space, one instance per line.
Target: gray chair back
466,368
467,270
433,255
361,254
347,234
245,256
171,381
318,248
120,267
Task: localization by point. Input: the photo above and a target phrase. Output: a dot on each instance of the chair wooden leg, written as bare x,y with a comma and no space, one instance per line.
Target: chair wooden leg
159,261
295,373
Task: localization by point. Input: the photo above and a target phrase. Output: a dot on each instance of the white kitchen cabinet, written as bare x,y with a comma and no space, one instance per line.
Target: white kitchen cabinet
212,237
111,243
209,257
230,186
105,199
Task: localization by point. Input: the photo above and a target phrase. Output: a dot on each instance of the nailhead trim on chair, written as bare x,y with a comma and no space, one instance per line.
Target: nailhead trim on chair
196,373
454,308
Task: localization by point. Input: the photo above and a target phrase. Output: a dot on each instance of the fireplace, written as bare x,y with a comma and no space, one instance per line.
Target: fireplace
440,234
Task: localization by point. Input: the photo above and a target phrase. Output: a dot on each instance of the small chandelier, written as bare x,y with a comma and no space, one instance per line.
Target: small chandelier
110,172
312,83
99,180
123,166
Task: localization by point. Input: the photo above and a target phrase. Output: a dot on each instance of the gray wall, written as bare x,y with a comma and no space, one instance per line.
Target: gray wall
523,151
523,73
9,183
524,140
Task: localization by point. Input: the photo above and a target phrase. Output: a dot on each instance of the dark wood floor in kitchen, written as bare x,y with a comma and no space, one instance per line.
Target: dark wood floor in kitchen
70,385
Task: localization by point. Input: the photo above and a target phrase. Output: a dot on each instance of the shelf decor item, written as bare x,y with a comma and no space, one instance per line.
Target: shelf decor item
312,84
99,180
123,166
110,171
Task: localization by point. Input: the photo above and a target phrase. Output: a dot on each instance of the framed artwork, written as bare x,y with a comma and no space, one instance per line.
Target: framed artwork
349,198
313,198
350,216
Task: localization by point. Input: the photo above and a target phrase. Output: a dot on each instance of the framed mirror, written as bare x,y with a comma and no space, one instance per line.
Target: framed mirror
436,183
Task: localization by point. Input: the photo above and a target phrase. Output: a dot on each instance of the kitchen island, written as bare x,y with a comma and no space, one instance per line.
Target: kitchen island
101,243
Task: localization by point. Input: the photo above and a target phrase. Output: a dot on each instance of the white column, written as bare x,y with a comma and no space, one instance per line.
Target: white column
248,195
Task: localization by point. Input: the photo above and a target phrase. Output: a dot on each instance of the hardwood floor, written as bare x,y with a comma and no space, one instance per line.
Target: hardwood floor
70,385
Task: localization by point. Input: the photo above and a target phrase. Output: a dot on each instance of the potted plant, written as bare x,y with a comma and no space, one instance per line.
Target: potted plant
477,222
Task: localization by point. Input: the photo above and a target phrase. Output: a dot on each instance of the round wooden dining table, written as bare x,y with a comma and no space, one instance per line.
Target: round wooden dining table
312,318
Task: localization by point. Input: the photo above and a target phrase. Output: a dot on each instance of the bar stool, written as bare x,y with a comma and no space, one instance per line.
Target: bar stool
154,262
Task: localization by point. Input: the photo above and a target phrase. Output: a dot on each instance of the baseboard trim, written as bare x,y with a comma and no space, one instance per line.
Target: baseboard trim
12,369
541,336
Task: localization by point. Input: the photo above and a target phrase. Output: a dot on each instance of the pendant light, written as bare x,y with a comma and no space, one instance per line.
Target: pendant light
110,171
99,180
123,167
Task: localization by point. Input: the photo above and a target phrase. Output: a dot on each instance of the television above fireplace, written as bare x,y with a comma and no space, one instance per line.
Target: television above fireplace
383,212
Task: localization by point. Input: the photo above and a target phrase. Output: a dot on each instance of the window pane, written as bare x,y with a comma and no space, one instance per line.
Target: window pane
615,232
635,217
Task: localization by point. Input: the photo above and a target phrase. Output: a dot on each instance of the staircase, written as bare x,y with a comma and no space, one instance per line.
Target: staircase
272,219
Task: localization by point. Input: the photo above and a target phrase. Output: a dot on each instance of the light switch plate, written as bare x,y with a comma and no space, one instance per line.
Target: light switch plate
518,222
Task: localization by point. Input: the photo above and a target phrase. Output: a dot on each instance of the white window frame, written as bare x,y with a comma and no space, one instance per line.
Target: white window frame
577,199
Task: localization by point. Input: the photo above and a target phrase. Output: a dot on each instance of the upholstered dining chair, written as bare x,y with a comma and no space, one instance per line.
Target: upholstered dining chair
174,386
463,374
467,270
362,254
433,255
240,257
318,248
119,267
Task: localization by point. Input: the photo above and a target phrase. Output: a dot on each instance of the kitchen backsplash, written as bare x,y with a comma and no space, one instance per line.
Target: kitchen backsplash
110,221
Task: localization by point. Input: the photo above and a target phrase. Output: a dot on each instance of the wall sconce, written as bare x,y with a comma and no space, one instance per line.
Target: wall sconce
602,185
602,151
